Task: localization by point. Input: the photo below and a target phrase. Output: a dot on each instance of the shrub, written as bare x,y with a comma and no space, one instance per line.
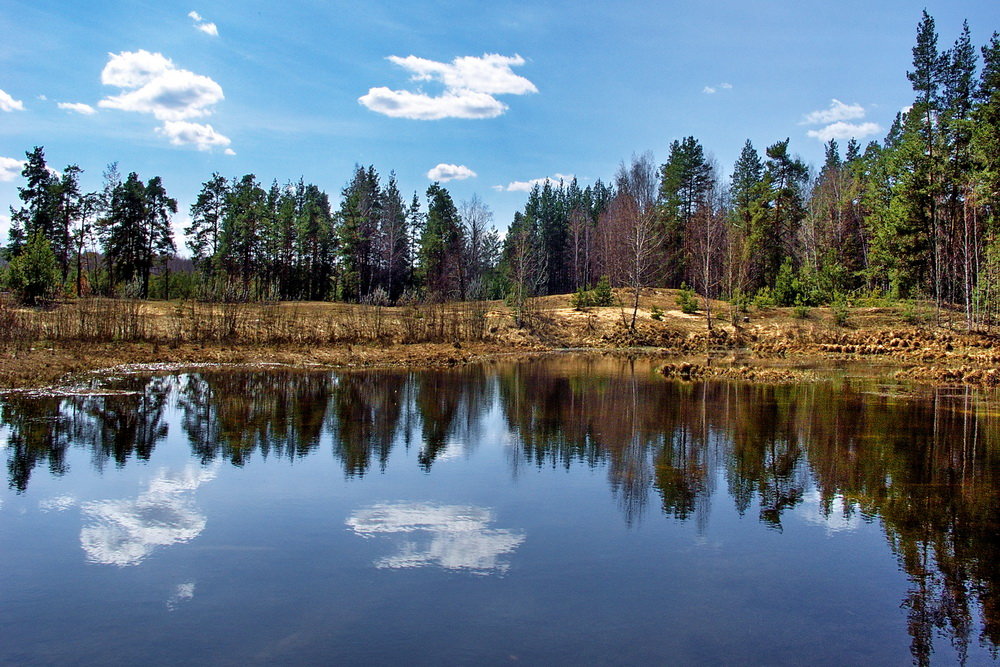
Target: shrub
841,309
686,300
763,299
582,299
603,296
800,312
656,313
33,275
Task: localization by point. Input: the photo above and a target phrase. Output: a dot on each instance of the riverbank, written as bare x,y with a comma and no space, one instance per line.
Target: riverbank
64,342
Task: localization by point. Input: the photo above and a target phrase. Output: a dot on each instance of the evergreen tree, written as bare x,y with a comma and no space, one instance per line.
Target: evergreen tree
34,273
685,182
441,269
36,215
207,214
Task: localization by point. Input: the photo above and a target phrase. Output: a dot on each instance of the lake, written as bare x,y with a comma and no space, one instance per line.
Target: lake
565,509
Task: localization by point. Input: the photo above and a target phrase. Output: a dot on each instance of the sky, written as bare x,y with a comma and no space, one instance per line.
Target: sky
485,97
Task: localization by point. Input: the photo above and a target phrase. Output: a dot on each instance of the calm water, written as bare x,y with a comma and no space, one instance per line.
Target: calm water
553,511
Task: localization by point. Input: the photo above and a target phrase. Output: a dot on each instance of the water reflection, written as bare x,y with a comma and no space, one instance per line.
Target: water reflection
125,531
453,537
833,454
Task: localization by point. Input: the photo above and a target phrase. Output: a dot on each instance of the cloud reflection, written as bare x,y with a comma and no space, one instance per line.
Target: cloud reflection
453,537
123,532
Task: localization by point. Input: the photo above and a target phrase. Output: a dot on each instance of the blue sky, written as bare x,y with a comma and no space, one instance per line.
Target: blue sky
509,92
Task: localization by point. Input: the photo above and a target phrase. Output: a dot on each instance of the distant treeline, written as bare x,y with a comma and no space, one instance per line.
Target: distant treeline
912,216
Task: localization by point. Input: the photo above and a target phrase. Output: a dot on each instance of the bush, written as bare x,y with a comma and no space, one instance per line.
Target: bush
841,309
686,300
763,299
800,312
603,296
34,275
582,299
656,313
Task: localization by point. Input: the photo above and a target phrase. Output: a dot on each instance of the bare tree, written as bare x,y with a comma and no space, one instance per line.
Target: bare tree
633,217
706,243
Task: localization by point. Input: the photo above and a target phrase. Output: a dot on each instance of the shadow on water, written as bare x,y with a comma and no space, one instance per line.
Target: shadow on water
926,466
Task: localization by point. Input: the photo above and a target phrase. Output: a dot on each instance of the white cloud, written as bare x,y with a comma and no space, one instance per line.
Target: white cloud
43,98
450,172
489,73
183,133
78,107
154,85
8,103
470,83
206,27
838,111
453,537
418,106
842,130
711,90
229,151
526,186
10,168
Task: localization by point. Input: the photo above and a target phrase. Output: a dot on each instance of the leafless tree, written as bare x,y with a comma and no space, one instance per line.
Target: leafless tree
706,244
632,217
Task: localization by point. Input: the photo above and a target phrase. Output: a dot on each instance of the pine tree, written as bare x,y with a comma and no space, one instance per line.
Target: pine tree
685,182
207,213
36,215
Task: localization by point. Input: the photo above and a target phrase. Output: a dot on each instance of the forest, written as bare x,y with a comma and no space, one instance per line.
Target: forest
914,216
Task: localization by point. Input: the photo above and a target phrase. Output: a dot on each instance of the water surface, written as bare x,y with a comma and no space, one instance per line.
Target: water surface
564,509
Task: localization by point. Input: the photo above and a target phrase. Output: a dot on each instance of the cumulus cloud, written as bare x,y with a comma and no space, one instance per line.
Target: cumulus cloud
78,107
470,83
10,168
842,130
184,133
152,84
200,23
450,172
453,537
526,186
8,103
835,120
838,111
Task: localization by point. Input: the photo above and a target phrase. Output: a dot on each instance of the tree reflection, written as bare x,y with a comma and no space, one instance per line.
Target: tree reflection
926,467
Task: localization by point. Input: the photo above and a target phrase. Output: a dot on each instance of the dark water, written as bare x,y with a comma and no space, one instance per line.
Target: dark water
568,510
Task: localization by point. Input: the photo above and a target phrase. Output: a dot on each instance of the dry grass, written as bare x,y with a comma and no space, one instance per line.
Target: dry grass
40,346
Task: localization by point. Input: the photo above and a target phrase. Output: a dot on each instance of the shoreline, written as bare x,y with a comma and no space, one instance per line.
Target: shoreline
65,368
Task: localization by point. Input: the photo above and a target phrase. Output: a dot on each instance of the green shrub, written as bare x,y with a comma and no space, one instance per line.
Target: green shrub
34,275
686,300
800,312
763,299
656,313
841,309
582,299
603,296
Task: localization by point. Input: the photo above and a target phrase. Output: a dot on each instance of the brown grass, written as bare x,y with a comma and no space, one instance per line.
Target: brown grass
40,346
